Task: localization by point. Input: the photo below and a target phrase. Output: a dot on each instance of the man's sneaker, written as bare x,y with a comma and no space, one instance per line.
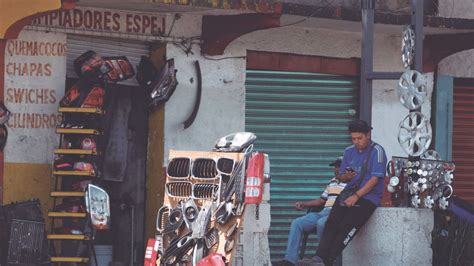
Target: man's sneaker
283,263
315,261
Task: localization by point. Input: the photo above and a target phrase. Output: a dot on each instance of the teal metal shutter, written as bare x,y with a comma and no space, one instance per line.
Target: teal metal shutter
300,120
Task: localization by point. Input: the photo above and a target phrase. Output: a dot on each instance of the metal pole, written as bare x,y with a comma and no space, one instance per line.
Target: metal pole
417,24
367,60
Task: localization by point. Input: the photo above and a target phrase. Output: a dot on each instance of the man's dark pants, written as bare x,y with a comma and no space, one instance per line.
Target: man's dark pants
342,225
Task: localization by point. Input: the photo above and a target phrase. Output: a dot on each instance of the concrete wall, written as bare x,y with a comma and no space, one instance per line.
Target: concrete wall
459,65
456,8
225,79
393,236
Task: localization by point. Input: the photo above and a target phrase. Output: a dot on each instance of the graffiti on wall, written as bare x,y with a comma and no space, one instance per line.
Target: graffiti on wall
35,71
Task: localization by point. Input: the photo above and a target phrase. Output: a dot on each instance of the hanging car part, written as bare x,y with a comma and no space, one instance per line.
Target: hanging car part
443,203
255,179
146,73
229,245
448,177
225,165
98,206
179,168
162,218
415,201
204,168
120,68
236,142
88,143
151,252
224,212
447,191
188,122
414,135
200,229
3,136
175,220
177,249
90,65
411,89
179,189
4,113
408,46
164,85
431,155
202,221
190,212
206,191
429,202
240,181
95,97
231,231
394,181
211,238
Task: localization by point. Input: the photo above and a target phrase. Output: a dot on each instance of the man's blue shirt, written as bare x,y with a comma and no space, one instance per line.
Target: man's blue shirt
376,167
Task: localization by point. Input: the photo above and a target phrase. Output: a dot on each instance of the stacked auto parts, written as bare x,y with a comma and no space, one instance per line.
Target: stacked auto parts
426,181
423,179
203,205
80,206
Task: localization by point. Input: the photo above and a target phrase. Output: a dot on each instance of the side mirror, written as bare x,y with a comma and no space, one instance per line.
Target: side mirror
98,206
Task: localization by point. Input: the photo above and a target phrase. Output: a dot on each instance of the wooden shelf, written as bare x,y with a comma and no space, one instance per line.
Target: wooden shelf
76,152
72,173
70,259
67,194
78,131
67,237
67,214
87,110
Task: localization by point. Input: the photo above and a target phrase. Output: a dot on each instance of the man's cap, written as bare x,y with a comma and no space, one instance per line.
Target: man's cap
359,126
337,162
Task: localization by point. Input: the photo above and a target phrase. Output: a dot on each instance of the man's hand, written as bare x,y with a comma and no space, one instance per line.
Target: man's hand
351,201
299,205
347,176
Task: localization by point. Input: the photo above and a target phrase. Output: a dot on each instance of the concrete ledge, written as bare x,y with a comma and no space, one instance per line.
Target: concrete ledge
393,236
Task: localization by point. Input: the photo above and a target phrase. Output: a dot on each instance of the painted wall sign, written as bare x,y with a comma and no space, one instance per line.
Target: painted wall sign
99,19
35,73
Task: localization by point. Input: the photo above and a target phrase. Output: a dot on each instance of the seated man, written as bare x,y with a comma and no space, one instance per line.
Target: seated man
312,220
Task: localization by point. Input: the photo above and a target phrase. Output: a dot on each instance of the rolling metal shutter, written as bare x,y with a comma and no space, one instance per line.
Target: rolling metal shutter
463,141
78,44
300,120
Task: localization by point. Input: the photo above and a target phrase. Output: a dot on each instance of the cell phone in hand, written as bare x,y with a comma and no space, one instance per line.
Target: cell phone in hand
350,169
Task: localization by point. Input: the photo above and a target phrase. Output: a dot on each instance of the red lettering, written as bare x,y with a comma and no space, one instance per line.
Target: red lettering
97,20
128,22
161,30
29,98
52,95
45,120
18,95
116,18
136,23
107,20
77,14
9,95
53,16
145,23
67,22
88,19
154,26
47,69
